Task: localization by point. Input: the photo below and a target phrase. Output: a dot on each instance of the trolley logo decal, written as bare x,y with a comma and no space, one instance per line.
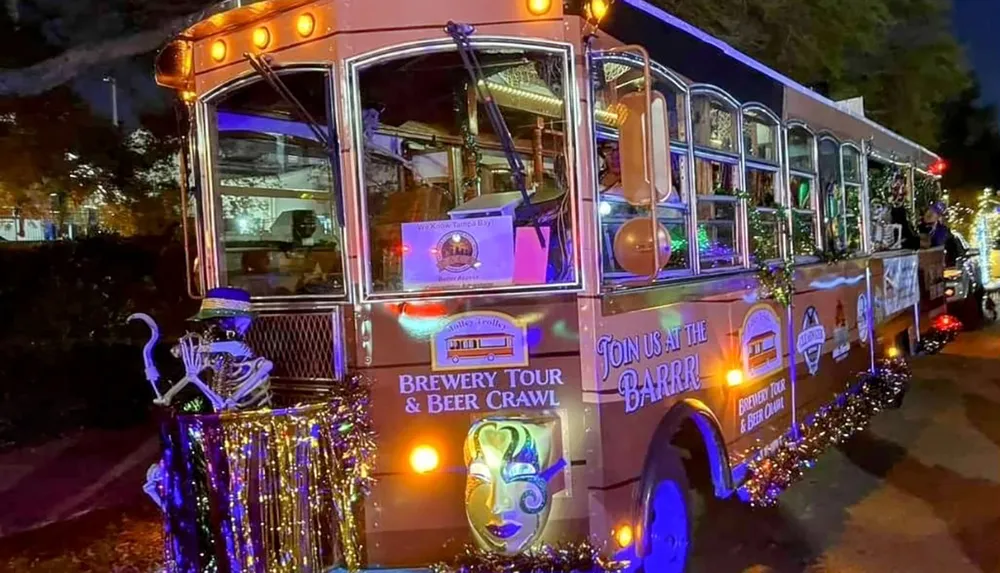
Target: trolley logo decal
810,340
760,341
841,335
863,318
457,252
479,340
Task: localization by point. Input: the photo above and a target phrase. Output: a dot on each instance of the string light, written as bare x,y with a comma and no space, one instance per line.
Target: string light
776,282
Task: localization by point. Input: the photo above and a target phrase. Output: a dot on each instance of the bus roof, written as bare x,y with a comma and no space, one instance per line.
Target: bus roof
731,52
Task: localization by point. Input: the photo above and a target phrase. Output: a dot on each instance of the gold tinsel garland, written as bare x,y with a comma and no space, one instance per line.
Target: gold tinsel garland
769,475
276,485
567,558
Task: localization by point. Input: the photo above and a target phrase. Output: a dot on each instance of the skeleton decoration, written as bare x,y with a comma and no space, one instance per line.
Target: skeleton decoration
217,362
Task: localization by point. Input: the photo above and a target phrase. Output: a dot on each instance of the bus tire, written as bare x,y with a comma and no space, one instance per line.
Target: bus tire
667,515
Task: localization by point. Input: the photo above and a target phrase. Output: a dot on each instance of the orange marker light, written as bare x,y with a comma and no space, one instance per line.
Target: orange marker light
623,536
893,352
598,9
539,7
219,50
261,37
305,24
424,459
734,377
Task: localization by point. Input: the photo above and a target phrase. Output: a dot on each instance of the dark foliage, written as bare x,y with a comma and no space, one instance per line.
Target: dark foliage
67,357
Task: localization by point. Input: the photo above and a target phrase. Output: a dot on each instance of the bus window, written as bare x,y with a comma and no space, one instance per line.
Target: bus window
443,212
276,225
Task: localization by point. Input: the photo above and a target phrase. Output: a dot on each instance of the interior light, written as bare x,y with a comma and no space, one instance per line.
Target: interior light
219,50
598,9
424,459
734,377
305,24
539,7
605,208
892,352
623,536
261,37
949,292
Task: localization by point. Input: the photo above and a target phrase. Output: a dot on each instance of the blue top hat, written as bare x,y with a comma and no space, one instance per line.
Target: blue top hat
224,302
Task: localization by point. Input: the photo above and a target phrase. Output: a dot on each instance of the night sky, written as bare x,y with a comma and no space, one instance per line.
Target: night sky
977,23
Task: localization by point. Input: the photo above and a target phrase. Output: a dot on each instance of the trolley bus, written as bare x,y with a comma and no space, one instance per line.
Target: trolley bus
529,222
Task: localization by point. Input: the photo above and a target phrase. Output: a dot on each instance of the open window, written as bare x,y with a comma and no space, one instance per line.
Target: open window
626,204
275,207
763,173
831,194
853,184
715,120
802,189
441,207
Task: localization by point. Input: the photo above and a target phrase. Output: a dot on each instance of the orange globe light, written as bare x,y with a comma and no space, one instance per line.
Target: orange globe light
734,377
539,7
424,459
305,24
893,352
261,37
634,243
598,9
623,536
219,50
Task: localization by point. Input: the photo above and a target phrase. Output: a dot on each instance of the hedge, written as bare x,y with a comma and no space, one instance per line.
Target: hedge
67,357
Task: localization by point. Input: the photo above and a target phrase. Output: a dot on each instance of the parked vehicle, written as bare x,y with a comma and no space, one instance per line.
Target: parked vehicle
553,359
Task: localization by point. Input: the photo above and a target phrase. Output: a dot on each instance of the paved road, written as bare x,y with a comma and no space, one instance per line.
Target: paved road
917,492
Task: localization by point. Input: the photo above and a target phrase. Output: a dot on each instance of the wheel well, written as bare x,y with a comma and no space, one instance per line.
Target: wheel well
691,428
697,466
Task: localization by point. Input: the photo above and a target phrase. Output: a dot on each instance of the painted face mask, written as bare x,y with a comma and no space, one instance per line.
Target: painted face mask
507,497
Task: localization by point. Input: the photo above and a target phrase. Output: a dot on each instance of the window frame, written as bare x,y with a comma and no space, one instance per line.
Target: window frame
813,177
353,108
862,186
776,167
820,138
212,241
733,158
683,148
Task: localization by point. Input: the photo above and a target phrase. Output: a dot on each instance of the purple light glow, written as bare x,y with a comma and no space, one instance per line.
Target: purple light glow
228,121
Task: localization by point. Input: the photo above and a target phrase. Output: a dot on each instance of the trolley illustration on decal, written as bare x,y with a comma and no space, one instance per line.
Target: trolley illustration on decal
488,346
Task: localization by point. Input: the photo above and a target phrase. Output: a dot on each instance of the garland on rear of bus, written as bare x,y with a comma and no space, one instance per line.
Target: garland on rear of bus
776,281
565,558
770,474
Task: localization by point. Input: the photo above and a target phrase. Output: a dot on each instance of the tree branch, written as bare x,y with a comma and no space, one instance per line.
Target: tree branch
58,70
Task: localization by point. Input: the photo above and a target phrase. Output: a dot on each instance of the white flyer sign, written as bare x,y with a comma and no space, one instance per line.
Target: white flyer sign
458,253
901,287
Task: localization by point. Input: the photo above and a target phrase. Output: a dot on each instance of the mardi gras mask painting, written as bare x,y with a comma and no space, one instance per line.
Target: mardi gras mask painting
507,495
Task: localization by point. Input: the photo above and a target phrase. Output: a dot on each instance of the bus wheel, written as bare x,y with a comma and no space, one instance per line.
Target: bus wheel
668,512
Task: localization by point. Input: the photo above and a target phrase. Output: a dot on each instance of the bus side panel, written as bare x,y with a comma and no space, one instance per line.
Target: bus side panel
830,324
895,323
440,369
649,360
